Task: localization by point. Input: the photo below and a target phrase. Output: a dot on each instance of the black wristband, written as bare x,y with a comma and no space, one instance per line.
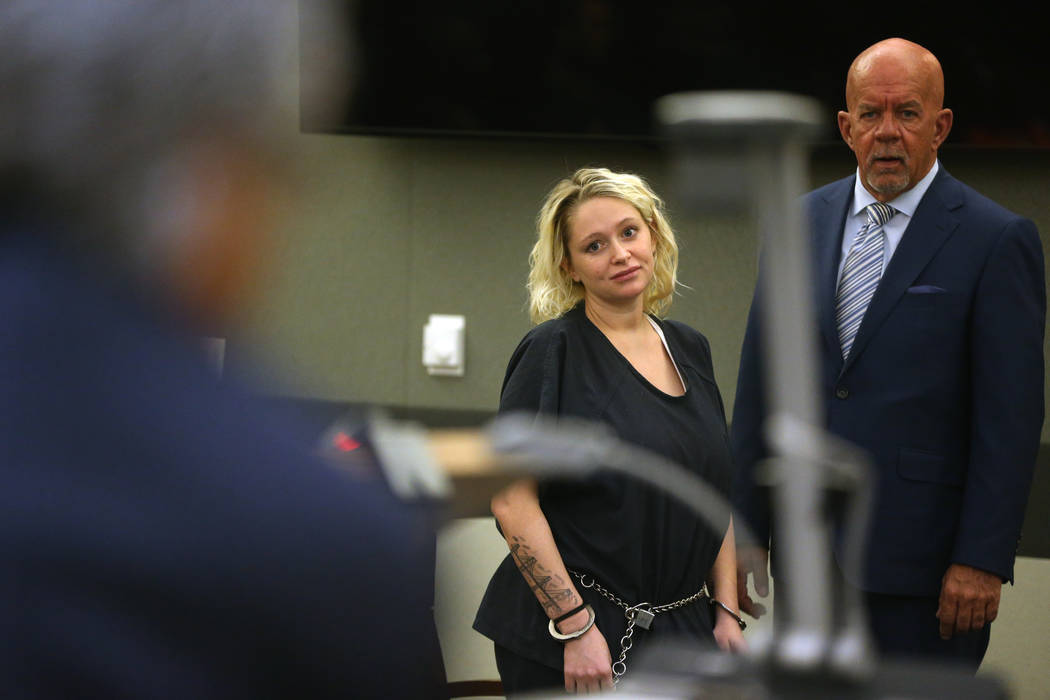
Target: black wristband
569,614
573,635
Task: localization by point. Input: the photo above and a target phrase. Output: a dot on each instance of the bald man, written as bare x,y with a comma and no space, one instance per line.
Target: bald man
931,302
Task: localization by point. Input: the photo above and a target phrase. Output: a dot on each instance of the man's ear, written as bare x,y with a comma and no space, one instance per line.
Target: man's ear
225,203
942,125
846,128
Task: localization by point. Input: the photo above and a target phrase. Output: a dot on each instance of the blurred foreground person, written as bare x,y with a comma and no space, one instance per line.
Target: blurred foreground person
160,534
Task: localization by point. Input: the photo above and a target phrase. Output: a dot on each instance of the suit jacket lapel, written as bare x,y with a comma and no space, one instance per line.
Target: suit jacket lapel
931,226
828,219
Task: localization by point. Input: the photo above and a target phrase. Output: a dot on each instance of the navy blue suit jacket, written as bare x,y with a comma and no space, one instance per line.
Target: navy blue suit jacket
163,535
943,387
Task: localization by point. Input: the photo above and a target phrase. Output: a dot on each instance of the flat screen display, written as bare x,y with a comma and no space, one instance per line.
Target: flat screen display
593,68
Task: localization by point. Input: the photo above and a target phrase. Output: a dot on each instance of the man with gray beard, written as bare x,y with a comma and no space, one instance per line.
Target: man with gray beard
932,305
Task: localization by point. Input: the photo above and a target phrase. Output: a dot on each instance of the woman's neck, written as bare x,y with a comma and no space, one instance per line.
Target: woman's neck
615,319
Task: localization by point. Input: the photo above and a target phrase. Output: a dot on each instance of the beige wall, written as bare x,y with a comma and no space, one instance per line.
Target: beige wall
389,230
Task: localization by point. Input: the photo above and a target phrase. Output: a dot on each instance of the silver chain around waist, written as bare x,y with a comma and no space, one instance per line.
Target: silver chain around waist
640,614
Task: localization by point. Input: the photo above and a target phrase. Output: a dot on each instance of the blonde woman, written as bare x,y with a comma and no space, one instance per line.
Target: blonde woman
603,272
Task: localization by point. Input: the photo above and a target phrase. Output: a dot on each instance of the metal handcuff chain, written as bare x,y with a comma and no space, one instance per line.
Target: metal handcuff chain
631,612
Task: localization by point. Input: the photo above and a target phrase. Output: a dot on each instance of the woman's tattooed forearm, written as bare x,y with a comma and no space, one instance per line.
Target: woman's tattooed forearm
549,588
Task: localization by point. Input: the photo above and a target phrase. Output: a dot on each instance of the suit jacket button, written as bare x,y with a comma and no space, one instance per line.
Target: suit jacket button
841,392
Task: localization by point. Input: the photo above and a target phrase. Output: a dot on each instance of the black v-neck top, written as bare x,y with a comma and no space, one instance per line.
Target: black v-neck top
641,544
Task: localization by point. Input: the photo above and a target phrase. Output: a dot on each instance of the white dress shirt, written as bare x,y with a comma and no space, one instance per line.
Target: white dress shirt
906,203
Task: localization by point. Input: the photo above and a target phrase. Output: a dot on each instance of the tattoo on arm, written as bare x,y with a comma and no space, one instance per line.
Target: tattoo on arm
550,589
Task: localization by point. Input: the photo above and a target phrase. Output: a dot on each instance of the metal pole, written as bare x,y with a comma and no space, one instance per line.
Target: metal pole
749,150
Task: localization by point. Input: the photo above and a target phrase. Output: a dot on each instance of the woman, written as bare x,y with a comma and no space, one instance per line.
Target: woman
602,272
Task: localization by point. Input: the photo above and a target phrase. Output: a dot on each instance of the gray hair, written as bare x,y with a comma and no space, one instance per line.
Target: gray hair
102,98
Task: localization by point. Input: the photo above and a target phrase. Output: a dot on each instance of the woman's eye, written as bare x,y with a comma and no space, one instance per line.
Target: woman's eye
593,247
630,232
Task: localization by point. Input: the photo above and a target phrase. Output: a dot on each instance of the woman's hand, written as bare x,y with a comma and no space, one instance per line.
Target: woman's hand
588,664
728,634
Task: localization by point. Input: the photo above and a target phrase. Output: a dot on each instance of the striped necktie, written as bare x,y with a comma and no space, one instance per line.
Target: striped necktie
861,274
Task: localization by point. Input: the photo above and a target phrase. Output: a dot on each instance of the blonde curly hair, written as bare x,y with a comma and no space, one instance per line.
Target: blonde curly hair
552,291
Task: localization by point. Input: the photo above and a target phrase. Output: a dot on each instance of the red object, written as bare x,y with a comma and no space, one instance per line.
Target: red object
345,443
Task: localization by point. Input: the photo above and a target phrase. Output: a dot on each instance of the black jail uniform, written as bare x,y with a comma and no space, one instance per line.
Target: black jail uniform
642,544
